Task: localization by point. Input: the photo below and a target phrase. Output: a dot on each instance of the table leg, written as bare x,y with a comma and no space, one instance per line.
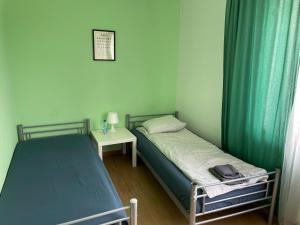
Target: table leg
124,148
134,153
100,151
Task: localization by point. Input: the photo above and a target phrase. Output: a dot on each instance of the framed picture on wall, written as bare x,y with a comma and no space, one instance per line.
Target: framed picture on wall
104,45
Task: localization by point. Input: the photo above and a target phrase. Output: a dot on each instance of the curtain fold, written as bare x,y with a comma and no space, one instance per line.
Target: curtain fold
261,48
289,207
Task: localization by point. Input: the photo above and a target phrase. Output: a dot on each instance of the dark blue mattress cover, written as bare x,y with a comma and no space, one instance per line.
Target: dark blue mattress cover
179,184
54,180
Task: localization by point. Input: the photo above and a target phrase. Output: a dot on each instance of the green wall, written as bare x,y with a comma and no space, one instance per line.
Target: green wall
200,76
50,57
169,55
7,119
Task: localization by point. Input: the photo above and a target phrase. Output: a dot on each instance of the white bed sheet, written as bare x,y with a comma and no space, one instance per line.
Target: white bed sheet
194,156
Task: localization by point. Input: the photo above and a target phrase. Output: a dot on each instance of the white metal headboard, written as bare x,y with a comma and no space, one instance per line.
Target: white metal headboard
135,121
30,132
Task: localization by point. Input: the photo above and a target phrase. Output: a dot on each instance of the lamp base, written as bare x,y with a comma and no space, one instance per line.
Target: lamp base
112,128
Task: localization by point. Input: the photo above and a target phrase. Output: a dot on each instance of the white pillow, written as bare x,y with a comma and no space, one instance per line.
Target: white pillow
163,124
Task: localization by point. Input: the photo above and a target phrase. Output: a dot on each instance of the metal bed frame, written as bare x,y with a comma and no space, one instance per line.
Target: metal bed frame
194,217
78,127
30,132
132,218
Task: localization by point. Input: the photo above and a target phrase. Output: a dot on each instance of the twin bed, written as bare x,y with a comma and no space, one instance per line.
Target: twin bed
60,180
191,197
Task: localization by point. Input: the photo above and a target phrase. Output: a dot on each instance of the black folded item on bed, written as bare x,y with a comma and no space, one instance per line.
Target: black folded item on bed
226,173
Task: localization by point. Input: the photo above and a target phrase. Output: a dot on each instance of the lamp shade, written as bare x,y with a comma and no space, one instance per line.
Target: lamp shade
112,118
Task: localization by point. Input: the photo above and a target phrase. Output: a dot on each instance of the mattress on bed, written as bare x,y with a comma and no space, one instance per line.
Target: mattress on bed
179,184
57,179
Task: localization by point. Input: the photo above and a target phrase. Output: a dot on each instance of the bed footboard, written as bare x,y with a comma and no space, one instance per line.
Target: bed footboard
132,219
268,201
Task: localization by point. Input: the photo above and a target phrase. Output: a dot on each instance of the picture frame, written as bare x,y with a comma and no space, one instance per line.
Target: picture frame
104,45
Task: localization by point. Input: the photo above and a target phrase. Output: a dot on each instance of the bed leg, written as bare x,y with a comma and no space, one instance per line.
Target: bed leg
20,132
193,204
127,121
133,211
87,124
274,195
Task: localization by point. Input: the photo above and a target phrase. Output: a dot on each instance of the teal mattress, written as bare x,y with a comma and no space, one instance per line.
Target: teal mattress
57,179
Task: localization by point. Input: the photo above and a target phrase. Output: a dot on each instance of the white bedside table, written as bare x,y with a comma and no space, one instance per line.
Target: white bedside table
121,136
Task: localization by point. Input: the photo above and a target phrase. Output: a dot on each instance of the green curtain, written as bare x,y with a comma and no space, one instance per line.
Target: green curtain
261,52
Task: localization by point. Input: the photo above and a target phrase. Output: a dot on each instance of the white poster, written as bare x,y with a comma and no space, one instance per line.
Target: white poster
104,45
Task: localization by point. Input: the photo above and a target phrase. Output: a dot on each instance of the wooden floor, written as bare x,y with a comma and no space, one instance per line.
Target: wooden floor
154,205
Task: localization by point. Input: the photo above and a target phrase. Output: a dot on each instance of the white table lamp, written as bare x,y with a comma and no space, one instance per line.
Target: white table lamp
112,119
